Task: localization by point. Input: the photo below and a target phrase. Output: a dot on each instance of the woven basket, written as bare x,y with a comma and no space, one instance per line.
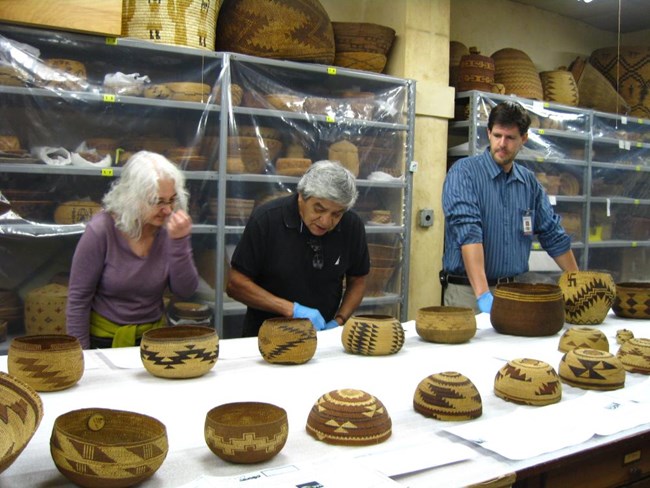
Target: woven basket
22,411
189,23
632,300
594,90
515,70
372,335
76,212
363,37
635,355
475,72
528,382
527,309
584,338
377,280
632,67
623,335
246,432
588,296
345,153
560,86
592,369
349,417
363,61
448,396
45,310
287,341
448,325
182,351
186,91
101,447
46,362
292,166
298,30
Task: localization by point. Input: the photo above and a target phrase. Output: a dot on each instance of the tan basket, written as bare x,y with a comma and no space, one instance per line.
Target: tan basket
22,413
372,335
588,296
515,70
349,417
292,166
190,23
475,72
182,351
627,68
185,91
632,300
583,337
456,51
49,362
450,325
448,396
45,310
529,382
76,211
594,90
107,448
361,60
345,153
592,369
635,355
286,340
298,30
560,86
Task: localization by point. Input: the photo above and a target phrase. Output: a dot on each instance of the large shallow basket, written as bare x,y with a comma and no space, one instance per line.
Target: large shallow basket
182,351
191,23
246,432
298,30
349,417
588,296
527,309
632,300
287,340
528,382
49,362
372,335
448,396
22,411
100,447
592,369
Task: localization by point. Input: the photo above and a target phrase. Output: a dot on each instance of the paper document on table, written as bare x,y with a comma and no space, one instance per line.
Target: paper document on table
531,431
401,460
331,474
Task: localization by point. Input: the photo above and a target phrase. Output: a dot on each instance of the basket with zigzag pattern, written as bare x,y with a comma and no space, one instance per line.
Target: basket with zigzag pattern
287,340
372,335
588,296
181,351
448,396
528,382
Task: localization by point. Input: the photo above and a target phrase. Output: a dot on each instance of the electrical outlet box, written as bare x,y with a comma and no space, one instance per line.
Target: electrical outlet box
426,217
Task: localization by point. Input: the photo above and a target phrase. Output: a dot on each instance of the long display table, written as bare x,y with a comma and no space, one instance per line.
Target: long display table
508,442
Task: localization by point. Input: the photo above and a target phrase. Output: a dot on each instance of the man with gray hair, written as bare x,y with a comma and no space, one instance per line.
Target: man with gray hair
296,251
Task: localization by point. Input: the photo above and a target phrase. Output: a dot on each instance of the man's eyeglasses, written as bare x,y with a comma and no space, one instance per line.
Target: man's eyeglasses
317,261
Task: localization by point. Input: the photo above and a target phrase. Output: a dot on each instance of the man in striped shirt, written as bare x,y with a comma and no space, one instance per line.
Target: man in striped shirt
493,207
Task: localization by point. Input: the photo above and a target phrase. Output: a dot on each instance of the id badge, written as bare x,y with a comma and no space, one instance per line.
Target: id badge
527,224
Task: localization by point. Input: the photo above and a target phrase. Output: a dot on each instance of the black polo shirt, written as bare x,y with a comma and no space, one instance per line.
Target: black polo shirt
275,252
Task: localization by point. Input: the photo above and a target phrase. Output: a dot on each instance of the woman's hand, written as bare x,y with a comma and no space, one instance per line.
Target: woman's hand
179,224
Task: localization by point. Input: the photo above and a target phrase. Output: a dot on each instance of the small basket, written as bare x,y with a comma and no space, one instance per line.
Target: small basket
528,382
45,310
287,340
362,37
448,325
592,369
372,335
583,337
588,296
632,300
448,396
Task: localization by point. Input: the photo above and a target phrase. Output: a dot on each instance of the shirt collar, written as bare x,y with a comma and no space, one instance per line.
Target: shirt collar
495,170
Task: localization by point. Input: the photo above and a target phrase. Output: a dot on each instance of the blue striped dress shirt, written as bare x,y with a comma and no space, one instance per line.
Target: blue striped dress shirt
483,204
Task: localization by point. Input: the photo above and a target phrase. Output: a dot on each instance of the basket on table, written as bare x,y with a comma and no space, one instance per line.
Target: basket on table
372,335
632,300
448,396
588,296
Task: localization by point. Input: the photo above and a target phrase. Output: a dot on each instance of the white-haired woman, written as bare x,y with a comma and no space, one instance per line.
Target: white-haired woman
129,253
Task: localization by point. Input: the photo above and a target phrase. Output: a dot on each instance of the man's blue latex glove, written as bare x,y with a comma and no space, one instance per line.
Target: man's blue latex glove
485,302
332,324
302,312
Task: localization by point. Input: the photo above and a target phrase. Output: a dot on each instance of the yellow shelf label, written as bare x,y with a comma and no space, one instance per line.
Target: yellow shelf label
539,159
639,144
640,121
330,119
540,132
637,168
107,172
537,245
331,70
636,201
634,243
109,98
111,41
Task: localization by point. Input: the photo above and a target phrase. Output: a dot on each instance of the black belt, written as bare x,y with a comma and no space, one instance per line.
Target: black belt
446,278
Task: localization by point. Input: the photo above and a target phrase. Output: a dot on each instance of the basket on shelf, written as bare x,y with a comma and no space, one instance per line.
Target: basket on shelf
475,71
362,45
560,86
594,90
515,70
189,23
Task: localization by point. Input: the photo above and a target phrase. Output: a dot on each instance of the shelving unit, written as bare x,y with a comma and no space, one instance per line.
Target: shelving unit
609,157
376,109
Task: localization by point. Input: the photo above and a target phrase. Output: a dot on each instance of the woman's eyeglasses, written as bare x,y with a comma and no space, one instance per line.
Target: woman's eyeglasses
317,261
161,203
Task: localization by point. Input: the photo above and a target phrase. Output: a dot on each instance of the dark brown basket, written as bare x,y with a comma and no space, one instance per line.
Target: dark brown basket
362,36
